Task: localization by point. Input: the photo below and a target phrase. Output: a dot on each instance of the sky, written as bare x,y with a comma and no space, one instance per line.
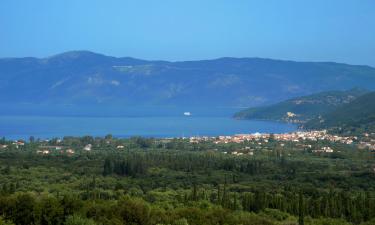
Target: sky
175,30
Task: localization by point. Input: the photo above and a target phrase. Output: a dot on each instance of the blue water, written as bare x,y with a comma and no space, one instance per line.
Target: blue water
15,127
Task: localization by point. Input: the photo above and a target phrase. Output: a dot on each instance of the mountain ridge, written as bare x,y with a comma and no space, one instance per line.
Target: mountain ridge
88,78
88,52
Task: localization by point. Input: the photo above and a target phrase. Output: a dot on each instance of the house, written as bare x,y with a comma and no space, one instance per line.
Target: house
327,149
43,152
51,147
324,149
290,114
88,147
70,151
18,143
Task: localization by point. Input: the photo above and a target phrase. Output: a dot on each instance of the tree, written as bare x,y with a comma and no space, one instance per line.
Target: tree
70,204
6,170
5,222
78,220
24,209
134,211
108,137
50,212
182,221
300,210
108,167
85,140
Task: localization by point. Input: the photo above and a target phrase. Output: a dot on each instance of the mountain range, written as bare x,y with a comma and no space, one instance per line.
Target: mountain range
87,79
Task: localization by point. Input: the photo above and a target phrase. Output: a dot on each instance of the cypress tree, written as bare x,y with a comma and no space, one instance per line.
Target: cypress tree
300,210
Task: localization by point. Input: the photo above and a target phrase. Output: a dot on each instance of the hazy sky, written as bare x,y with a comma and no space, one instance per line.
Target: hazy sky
303,30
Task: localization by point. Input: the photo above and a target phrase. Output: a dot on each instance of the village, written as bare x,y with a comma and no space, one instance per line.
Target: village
298,138
248,142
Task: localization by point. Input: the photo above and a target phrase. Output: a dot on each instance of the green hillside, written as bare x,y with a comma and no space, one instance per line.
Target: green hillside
357,116
302,109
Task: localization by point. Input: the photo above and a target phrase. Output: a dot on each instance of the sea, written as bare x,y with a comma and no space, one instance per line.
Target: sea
174,124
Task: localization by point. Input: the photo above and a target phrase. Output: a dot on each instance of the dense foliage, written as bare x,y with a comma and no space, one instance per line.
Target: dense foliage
303,108
172,181
355,117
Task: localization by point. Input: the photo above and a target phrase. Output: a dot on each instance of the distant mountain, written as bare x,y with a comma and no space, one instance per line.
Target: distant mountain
302,109
357,116
83,78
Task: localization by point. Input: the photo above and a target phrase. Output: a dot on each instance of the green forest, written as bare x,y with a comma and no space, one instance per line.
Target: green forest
174,182
355,117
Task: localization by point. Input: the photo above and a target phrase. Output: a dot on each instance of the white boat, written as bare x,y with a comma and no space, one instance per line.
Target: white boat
187,113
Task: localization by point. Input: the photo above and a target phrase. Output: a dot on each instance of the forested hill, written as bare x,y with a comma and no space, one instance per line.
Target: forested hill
357,116
302,109
86,78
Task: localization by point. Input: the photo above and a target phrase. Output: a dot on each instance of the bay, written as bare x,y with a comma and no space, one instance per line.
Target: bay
22,127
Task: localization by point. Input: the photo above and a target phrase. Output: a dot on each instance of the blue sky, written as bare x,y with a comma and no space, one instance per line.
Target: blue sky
310,30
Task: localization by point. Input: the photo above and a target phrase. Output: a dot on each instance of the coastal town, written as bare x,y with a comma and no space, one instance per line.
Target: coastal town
248,142
293,136
365,142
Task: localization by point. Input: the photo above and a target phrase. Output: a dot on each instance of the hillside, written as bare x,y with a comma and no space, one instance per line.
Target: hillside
82,78
356,116
302,109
